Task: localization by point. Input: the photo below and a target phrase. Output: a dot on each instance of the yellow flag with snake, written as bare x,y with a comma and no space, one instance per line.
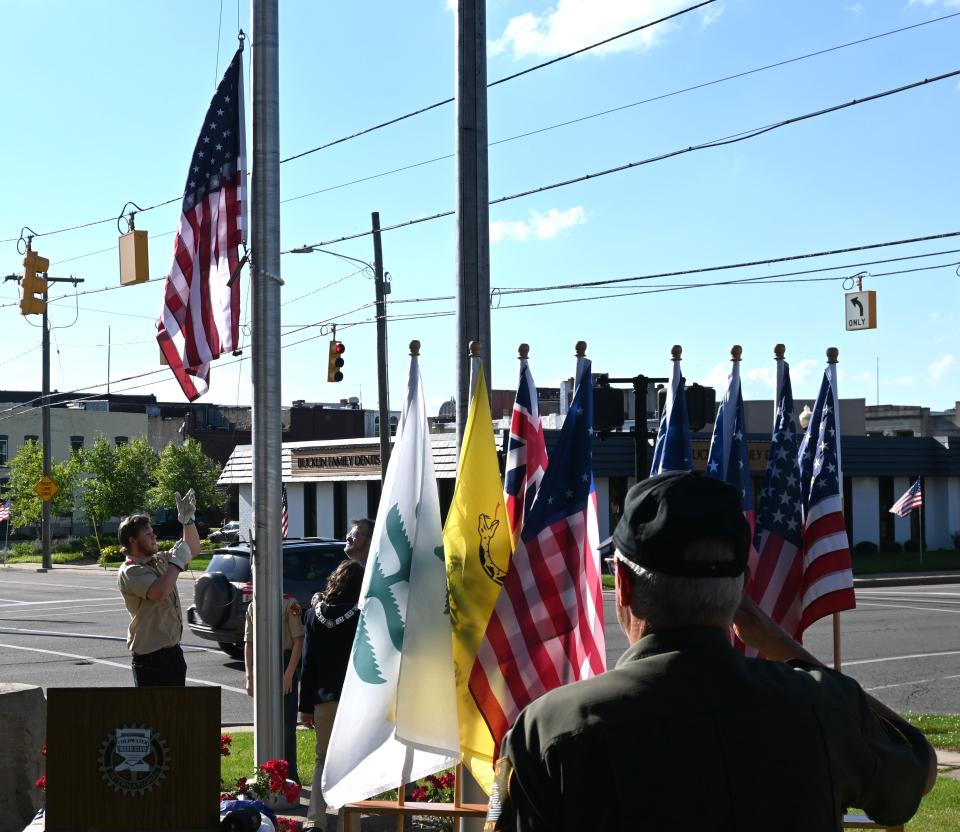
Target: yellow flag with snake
476,542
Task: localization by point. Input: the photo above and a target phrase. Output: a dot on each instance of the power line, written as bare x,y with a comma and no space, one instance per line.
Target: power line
503,80
733,139
406,116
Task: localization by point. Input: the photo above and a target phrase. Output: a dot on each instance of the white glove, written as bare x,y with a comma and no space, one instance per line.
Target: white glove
180,555
186,506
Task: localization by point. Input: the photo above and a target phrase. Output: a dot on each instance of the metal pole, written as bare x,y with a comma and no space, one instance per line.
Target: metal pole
383,389
109,341
265,337
45,417
473,215
641,466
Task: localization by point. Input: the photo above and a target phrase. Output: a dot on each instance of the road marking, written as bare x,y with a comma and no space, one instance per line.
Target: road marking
59,601
903,658
917,682
116,664
907,592
905,607
18,582
25,631
11,600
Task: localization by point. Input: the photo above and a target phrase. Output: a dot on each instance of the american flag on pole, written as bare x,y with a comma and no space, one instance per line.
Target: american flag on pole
4,510
284,514
200,318
526,453
672,451
827,584
912,498
775,583
547,627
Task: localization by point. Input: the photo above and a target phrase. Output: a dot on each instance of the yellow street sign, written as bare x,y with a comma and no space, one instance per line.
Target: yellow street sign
46,488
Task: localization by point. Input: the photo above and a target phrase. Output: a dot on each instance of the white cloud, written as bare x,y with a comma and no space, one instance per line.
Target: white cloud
573,24
899,381
864,376
767,376
540,226
802,371
856,8
717,377
938,369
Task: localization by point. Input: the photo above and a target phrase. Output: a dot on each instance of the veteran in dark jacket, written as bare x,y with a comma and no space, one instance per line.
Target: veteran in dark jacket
688,733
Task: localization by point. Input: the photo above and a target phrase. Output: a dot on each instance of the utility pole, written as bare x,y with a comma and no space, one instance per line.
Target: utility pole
31,305
265,337
473,214
383,391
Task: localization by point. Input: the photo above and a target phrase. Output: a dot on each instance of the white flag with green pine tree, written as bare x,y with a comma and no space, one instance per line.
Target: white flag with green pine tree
396,720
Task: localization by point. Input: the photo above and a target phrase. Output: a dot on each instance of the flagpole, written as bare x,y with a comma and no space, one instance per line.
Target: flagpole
919,479
832,355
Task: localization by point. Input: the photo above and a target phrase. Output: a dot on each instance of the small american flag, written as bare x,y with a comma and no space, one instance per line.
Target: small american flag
200,318
284,515
547,627
827,585
911,499
672,451
775,582
4,510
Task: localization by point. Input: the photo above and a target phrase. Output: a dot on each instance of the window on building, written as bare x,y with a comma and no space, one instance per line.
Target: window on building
903,433
4,449
76,443
887,530
309,509
121,440
30,437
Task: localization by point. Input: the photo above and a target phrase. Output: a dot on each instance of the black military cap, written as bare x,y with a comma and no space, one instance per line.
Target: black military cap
665,513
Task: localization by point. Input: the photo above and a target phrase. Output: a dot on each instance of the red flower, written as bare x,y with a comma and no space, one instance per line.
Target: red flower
43,750
42,782
447,780
241,784
291,792
287,824
225,742
419,794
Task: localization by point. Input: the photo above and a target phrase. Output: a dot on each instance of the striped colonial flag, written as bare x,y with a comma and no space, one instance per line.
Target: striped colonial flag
547,627
200,318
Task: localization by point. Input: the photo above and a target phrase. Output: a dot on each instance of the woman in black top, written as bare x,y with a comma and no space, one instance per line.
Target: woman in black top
329,627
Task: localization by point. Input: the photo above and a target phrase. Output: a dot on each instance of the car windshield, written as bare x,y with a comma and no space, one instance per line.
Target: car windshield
235,567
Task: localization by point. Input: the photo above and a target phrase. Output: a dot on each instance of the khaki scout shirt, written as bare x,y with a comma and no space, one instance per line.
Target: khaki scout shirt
687,733
292,622
154,625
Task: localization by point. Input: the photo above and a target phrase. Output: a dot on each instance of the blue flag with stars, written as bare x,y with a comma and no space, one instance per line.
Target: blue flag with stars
672,451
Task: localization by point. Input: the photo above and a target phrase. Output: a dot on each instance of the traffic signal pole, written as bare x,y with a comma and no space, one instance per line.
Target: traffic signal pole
45,418
383,390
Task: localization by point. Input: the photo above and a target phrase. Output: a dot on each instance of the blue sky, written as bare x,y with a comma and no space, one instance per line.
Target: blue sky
104,104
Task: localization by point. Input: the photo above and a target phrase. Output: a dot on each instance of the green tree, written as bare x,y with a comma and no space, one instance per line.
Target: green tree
117,479
182,467
26,470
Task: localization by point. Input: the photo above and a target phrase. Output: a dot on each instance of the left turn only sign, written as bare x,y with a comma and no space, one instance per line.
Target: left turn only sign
46,488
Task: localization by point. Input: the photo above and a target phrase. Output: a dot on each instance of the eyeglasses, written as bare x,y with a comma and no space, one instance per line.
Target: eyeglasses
611,563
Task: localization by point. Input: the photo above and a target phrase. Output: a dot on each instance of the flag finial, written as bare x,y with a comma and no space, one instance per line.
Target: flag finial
581,349
474,349
779,350
735,352
414,348
832,353
676,351
523,351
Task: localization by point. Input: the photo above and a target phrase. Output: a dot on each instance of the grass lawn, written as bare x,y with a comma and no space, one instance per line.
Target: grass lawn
942,730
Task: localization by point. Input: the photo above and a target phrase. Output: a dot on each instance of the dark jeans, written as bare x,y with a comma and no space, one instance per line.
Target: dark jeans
290,723
162,668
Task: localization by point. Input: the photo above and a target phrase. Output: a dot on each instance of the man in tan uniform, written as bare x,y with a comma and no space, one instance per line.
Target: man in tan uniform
148,583
292,645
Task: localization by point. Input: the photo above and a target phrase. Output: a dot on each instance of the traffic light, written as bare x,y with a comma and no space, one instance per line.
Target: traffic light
335,361
32,285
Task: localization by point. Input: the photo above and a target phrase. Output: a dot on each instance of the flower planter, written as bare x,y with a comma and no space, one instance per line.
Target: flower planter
277,801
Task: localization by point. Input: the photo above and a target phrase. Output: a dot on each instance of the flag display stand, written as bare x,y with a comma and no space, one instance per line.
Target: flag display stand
403,809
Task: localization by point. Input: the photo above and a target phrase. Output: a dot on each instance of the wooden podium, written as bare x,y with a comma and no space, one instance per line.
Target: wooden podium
133,758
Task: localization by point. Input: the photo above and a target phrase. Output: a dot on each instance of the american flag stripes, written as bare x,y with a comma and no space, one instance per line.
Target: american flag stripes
912,498
200,318
827,584
547,626
284,514
4,510
672,451
775,583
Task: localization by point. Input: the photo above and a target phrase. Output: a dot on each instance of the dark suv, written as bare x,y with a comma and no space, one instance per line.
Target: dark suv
222,593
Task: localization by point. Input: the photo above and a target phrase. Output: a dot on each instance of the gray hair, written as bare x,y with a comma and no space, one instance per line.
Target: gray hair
667,601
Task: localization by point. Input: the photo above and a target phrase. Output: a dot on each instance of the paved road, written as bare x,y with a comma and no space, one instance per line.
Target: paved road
66,628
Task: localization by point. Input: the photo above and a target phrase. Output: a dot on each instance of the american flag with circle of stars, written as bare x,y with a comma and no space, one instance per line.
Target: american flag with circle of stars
200,319
827,585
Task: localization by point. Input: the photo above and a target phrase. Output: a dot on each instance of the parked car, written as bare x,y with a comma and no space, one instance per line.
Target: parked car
223,592
227,533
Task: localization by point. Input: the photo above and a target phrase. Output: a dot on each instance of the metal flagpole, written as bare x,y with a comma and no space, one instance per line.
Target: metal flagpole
265,338
920,480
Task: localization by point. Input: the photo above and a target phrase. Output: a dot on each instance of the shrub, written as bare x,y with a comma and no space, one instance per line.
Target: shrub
26,548
865,547
912,545
111,554
891,547
956,540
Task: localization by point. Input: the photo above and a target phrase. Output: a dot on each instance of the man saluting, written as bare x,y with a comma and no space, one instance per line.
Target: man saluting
148,583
